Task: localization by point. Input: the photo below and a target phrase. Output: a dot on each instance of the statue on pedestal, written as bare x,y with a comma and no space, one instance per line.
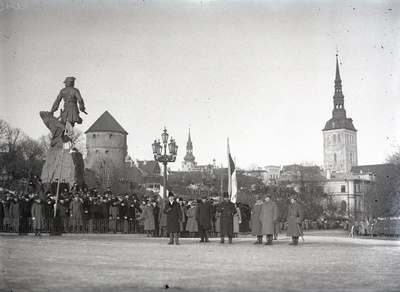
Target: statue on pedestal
59,161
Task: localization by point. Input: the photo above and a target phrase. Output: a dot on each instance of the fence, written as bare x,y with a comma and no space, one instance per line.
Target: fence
386,227
382,227
70,225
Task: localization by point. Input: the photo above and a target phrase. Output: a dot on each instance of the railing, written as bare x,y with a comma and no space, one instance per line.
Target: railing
70,225
382,227
386,227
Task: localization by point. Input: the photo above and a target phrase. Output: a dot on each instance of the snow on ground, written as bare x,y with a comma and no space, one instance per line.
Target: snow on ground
326,260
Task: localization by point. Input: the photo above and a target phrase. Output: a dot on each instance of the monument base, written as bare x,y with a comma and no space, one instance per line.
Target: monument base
72,166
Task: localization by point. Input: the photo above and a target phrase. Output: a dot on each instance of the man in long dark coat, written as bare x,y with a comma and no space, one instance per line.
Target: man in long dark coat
76,213
14,213
268,217
294,220
174,217
256,221
37,212
227,209
25,207
61,216
203,218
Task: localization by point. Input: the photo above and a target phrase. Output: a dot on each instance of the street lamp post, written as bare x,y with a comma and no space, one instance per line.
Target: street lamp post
209,178
165,158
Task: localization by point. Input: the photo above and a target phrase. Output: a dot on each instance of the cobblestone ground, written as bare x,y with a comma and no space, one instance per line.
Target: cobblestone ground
325,261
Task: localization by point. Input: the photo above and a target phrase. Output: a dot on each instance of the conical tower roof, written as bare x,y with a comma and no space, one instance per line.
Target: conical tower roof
106,123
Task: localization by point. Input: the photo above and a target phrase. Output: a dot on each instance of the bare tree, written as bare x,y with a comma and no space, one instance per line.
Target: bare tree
45,141
394,160
79,141
34,156
4,128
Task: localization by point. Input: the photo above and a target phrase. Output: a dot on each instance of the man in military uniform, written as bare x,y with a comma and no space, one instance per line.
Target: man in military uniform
294,220
227,210
256,224
268,217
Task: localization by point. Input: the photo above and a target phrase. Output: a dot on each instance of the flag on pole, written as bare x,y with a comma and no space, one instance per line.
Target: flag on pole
232,181
161,193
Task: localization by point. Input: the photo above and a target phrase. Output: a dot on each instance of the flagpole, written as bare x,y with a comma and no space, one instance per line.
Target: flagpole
234,183
59,179
222,184
229,173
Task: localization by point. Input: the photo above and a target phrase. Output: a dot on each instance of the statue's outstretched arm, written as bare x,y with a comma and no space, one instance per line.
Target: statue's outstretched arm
56,103
80,101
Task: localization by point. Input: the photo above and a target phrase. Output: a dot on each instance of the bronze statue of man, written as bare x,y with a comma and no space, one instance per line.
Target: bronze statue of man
71,97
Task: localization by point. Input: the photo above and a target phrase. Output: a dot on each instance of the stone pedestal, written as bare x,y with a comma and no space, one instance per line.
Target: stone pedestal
72,166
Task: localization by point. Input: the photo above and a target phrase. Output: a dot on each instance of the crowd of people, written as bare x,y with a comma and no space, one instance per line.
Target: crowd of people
89,211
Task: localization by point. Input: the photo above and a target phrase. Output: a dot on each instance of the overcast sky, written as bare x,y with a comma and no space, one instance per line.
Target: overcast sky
259,72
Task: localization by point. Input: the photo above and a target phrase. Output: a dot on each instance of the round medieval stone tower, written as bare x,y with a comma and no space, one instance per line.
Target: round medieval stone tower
106,144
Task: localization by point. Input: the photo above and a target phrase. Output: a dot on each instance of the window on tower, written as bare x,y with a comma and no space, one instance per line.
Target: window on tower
334,138
335,157
338,138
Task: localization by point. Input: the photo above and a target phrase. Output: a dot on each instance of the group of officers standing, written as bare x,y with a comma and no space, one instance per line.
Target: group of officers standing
264,219
226,209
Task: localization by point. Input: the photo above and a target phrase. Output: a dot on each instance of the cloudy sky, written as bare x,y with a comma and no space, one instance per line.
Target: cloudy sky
259,72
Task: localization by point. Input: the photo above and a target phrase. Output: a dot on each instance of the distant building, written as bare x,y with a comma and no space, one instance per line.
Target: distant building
258,173
144,172
269,174
348,190
273,172
340,136
189,163
106,144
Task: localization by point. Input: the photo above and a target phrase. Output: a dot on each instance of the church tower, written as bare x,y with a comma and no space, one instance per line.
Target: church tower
340,136
189,163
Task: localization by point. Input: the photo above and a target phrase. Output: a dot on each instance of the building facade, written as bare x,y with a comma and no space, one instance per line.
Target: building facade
348,190
339,134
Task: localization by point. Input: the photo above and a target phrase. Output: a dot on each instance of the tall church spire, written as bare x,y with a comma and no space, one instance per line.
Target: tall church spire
338,98
340,136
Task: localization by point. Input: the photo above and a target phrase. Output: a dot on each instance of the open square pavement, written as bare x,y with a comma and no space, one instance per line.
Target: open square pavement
327,260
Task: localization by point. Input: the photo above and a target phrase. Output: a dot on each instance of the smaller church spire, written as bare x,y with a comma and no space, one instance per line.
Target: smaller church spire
189,139
189,150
